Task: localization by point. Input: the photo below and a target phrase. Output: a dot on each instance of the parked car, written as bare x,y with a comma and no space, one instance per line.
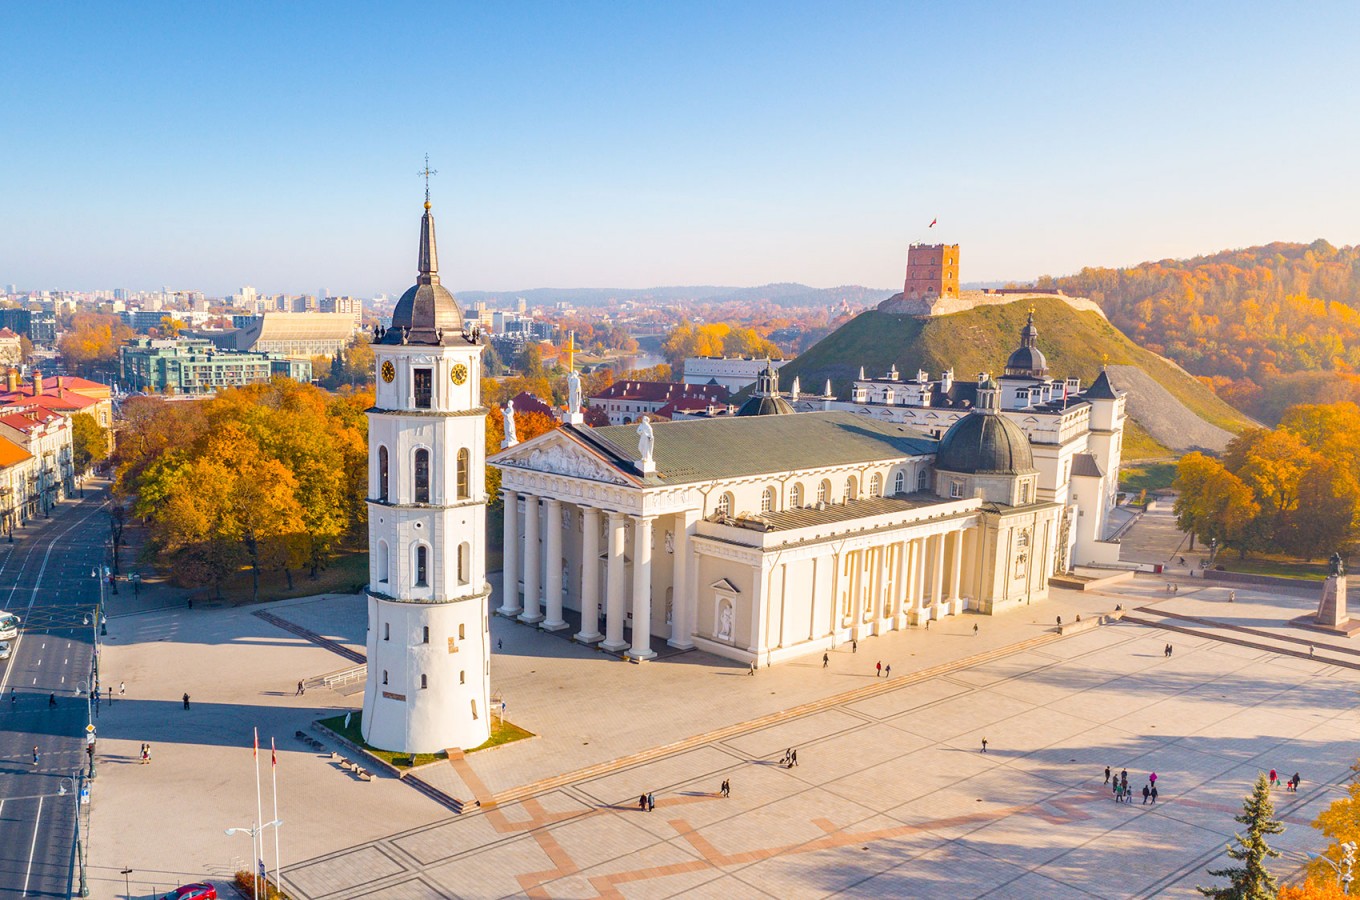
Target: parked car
200,891
4,649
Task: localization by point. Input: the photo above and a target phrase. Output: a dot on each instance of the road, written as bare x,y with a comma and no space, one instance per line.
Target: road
45,577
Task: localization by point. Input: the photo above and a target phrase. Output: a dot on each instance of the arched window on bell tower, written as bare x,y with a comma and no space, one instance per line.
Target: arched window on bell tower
422,566
464,464
422,476
382,474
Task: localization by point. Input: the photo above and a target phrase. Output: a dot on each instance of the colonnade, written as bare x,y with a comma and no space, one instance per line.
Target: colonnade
536,558
904,582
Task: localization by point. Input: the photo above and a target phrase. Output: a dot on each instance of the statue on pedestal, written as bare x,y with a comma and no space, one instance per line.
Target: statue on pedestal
1336,568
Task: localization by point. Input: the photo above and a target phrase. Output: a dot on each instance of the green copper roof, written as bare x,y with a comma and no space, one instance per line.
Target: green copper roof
708,449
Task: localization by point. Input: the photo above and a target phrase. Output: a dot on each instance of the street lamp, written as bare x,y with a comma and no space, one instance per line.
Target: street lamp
80,855
1343,879
256,842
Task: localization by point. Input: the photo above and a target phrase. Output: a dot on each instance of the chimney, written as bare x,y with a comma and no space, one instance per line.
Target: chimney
12,380
37,383
61,383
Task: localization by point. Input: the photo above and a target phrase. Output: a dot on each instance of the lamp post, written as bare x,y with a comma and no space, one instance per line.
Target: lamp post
1343,878
80,853
127,887
256,841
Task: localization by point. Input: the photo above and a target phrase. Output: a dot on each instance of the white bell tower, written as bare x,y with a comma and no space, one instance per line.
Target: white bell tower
429,673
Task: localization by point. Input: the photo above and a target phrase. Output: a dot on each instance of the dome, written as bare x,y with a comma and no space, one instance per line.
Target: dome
766,406
1026,360
427,312
985,443
767,401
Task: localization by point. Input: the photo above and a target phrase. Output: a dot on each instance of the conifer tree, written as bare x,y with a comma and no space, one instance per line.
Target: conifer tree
1250,881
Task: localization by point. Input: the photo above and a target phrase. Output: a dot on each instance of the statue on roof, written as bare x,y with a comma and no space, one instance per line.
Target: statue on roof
510,437
573,392
645,440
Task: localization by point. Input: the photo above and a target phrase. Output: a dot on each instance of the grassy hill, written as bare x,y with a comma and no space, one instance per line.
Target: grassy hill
980,339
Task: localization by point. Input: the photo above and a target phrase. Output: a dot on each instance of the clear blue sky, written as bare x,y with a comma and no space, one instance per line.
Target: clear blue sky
634,144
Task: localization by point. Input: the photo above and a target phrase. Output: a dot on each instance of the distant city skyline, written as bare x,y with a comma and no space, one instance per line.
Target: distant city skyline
634,146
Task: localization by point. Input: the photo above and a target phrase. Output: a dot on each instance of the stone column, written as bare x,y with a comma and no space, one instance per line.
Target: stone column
684,608
552,582
919,607
510,605
937,576
642,589
590,577
956,574
533,568
614,611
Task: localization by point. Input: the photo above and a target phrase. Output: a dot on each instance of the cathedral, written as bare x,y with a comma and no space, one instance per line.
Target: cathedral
778,532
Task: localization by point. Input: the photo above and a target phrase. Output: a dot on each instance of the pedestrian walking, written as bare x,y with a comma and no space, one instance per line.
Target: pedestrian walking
975,629
1147,792
878,669
110,695
500,644
1274,778
122,689
1294,783
726,788
300,690
35,754
186,699
1124,776
984,745
1232,596
826,660
854,646
1152,779
793,757
1170,649
752,671
1060,620
1311,651
887,671
651,801
1154,795
1107,774
13,698
1116,791
642,802
51,700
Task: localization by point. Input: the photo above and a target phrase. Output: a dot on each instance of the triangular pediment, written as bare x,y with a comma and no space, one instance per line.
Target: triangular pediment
722,584
558,453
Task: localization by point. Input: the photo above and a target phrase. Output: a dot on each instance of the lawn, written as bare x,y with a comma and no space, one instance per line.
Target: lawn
1149,475
1277,566
354,734
503,732
346,573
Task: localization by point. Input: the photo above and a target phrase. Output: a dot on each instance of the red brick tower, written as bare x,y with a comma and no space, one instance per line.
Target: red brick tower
932,271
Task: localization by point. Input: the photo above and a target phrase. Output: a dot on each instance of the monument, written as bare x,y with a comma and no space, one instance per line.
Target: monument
1331,615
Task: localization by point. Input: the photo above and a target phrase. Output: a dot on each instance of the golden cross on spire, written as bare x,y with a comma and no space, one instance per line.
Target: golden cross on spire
427,172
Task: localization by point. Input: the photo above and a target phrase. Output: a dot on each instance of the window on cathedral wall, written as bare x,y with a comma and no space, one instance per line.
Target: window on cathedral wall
900,482
767,500
795,496
823,491
424,387
955,489
725,505
921,480
382,474
422,476
851,489
876,485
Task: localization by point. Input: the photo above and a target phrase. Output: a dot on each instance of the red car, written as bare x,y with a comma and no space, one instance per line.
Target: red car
200,891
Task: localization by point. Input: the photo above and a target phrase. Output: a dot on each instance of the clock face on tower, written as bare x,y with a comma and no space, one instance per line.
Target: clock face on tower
389,371
459,373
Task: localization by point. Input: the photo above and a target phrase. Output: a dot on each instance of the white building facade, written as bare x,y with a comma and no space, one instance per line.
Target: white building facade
428,682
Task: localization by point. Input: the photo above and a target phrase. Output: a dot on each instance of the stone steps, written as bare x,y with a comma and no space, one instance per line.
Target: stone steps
1204,632
327,643
653,753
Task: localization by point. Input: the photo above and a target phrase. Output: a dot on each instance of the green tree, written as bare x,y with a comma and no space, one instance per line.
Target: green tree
1250,881
89,441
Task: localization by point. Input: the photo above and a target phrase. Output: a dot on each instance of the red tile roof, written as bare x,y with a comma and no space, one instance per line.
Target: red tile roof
663,392
526,402
11,453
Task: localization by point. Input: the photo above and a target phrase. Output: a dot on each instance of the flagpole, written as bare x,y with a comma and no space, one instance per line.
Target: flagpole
274,775
256,864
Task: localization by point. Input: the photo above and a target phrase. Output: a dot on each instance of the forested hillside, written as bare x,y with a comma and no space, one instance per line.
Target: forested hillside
1267,326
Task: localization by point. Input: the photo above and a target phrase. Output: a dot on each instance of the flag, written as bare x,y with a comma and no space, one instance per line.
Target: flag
932,223
257,743
273,754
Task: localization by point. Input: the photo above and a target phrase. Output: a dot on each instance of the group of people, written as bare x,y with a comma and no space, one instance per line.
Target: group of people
1292,785
1166,651
145,754
647,802
1123,793
790,759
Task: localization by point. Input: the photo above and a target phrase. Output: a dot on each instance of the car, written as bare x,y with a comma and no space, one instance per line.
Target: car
9,626
4,649
198,891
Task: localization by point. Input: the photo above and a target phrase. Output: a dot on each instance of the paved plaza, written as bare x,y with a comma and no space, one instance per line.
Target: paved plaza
892,795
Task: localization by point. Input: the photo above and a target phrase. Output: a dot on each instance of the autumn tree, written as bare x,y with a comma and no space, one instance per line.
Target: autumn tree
528,425
1340,823
1213,504
1251,880
92,341
89,441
